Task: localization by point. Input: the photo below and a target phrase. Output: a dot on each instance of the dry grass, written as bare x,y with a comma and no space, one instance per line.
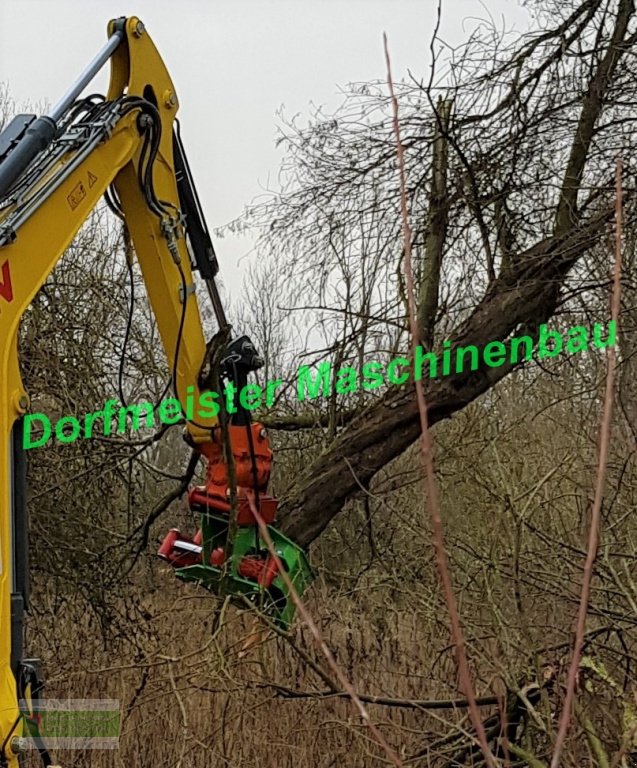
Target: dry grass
515,491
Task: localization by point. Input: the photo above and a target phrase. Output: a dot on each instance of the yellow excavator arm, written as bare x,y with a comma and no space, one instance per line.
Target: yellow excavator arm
53,171
43,207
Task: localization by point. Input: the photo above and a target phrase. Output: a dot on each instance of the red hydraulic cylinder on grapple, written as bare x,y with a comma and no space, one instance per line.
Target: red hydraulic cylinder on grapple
252,460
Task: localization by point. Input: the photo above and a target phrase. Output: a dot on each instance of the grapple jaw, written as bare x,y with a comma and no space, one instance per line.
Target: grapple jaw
247,570
251,572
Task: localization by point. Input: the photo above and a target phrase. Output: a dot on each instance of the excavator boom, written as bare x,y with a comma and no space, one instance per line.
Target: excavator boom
53,171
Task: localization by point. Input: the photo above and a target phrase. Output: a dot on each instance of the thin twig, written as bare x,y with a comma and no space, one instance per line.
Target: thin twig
425,442
384,701
316,633
604,443
184,717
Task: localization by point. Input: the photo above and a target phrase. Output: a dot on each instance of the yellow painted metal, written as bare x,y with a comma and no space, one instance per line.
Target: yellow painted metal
137,70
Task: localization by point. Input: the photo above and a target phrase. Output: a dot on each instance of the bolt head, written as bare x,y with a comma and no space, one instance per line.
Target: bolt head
20,401
139,29
170,100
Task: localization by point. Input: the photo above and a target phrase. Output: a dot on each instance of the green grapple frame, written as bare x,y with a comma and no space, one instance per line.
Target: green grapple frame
233,560
227,578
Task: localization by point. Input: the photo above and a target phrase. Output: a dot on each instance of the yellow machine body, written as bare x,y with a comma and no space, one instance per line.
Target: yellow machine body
25,263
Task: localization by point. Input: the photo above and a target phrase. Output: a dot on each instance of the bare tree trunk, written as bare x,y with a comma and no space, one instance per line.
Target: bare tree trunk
519,300
524,295
436,229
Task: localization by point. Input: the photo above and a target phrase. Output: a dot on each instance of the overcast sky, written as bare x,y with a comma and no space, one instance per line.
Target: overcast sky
234,64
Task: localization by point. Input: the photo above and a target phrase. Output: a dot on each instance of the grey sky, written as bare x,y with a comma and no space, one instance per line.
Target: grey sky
234,63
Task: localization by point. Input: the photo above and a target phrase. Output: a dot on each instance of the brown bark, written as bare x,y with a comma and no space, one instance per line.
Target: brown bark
518,301
524,295
436,229
591,110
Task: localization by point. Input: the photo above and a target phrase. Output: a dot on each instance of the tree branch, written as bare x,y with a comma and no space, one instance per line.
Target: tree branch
526,294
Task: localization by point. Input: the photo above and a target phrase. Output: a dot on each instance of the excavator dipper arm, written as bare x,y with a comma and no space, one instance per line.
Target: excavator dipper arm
53,172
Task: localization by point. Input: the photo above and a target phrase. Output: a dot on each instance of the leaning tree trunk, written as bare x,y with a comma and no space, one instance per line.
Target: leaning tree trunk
523,296
520,299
